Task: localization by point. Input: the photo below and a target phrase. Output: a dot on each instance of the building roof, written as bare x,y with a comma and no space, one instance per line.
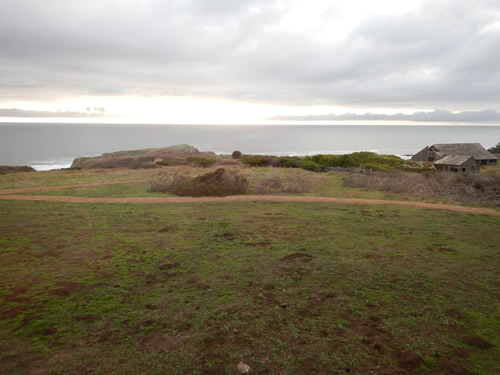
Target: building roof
453,160
475,150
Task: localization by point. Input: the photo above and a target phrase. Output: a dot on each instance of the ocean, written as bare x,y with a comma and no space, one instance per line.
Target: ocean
53,146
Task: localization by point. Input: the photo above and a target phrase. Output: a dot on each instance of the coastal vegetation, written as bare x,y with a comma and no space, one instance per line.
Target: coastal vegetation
495,149
317,163
217,184
201,161
466,188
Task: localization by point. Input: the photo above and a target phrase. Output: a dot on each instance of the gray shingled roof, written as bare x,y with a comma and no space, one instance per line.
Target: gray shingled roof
453,160
475,150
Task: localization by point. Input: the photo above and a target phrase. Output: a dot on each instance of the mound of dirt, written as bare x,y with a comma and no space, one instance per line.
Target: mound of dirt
478,342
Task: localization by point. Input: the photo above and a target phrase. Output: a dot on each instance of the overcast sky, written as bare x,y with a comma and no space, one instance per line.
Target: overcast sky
243,61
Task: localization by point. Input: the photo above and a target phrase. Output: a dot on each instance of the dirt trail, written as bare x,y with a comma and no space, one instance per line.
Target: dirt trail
249,198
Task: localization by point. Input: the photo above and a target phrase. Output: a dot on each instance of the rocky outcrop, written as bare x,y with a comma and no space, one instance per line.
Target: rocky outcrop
172,155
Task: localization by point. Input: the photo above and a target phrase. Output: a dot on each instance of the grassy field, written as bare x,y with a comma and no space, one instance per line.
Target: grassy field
136,183
286,288
68,177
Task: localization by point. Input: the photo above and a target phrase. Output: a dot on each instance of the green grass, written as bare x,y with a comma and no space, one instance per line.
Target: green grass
287,288
62,177
121,190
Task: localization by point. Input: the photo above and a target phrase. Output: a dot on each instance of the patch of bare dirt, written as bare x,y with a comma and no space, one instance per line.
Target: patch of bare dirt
447,366
86,318
478,342
291,257
408,359
66,288
163,342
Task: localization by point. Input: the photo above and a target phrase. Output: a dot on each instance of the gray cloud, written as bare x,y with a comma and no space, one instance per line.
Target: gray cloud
98,112
432,116
437,56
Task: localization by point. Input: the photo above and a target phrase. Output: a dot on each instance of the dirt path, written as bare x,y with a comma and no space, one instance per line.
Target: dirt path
251,198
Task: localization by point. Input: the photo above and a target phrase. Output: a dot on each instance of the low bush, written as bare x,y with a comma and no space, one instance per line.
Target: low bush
236,155
417,166
495,149
219,183
201,161
261,161
169,163
465,188
276,183
320,162
309,165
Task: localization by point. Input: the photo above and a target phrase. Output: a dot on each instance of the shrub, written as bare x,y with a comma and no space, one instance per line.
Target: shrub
417,166
260,160
309,165
169,163
165,182
219,183
236,155
495,149
320,162
276,183
466,188
200,161
289,162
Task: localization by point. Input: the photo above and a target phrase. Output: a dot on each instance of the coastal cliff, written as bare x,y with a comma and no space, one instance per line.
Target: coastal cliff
171,155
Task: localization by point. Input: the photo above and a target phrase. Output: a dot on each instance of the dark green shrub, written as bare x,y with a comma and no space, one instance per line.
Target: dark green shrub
200,161
495,149
289,162
260,161
218,184
236,155
309,165
169,163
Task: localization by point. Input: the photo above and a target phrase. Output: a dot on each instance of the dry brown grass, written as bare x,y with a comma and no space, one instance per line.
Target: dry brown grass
277,182
467,188
217,183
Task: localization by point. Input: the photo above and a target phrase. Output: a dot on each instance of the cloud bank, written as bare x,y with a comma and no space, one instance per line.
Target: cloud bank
14,112
433,116
438,54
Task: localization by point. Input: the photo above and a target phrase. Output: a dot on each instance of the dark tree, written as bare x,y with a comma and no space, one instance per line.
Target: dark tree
236,155
495,149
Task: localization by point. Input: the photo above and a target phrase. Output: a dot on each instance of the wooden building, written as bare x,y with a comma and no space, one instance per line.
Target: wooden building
458,164
439,151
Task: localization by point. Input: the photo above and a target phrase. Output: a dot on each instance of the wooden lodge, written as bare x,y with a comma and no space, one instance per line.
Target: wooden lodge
456,157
